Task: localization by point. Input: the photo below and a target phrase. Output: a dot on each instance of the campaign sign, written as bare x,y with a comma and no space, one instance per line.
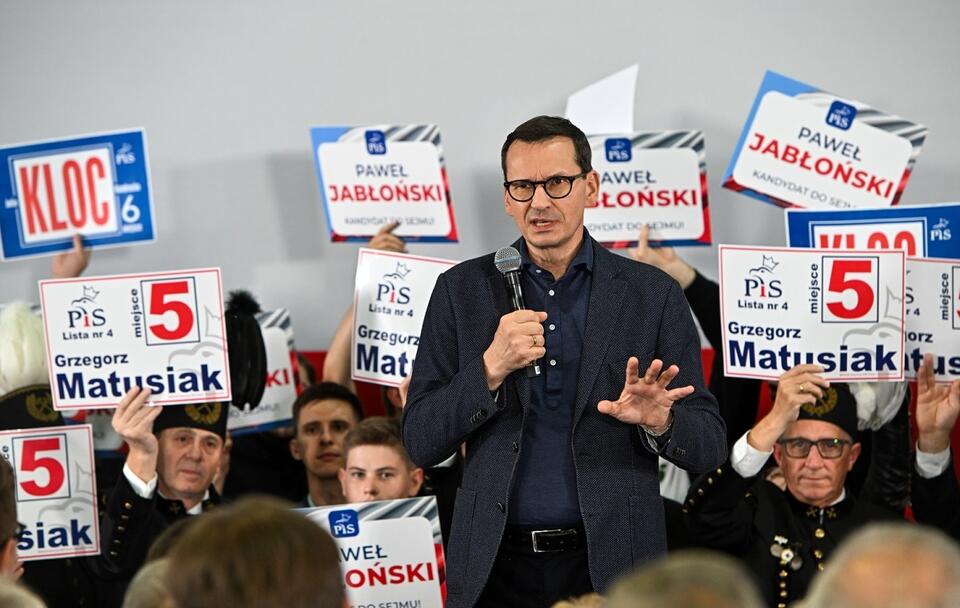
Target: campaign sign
933,316
392,293
391,551
655,178
803,147
163,331
372,176
276,405
920,230
843,310
55,490
94,185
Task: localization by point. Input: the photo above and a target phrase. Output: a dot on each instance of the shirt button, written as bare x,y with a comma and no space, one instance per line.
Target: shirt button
501,508
550,292
538,271
515,446
552,327
553,362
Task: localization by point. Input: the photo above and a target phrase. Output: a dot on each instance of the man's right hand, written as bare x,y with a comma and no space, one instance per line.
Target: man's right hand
664,258
938,407
385,240
133,421
797,386
519,341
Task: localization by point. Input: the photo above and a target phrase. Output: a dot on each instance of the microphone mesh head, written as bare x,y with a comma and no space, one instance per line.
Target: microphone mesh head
507,260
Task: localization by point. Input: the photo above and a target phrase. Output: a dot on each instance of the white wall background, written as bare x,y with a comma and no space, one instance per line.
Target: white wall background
227,91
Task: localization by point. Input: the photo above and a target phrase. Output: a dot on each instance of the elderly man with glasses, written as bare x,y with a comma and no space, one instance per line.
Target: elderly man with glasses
785,536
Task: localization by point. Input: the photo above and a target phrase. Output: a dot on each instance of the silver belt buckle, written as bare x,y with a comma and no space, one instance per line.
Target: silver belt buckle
536,534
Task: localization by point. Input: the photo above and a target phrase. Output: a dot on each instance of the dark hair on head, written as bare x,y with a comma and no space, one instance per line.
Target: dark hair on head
543,128
323,391
378,430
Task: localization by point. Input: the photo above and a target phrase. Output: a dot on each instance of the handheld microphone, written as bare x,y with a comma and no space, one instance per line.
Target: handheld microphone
507,261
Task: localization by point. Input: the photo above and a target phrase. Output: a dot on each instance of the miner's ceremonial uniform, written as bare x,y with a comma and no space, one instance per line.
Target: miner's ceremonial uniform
783,541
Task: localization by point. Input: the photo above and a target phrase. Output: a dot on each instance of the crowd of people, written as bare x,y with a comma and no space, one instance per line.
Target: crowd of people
559,488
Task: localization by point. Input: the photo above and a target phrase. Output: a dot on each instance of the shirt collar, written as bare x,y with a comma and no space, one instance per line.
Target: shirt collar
583,259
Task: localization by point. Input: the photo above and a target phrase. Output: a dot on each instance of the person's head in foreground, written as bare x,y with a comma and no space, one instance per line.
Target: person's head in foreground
9,527
692,579
376,466
148,589
13,595
256,552
817,450
890,565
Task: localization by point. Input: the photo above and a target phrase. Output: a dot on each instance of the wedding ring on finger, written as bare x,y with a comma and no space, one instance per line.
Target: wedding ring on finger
802,390
534,340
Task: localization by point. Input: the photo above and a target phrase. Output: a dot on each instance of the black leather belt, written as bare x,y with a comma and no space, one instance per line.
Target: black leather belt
552,540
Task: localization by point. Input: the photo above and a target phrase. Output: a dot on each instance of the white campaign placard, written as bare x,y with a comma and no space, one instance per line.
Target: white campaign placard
392,293
162,330
391,551
933,316
782,307
276,405
55,490
653,178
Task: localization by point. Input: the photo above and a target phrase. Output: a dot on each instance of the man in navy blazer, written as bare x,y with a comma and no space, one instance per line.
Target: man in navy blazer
560,482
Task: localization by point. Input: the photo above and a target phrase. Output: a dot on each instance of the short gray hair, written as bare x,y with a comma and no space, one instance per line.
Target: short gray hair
895,559
690,578
148,589
13,595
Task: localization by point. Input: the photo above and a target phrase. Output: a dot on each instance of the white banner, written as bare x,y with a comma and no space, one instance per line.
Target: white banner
163,331
783,307
391,551
392,293
933,316
55,489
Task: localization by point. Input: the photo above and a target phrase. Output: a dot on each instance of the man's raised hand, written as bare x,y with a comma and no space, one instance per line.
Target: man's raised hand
645,399
937,409
133,421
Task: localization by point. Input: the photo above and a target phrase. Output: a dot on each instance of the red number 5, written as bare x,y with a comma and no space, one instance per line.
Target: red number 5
160,305
29,463
839,283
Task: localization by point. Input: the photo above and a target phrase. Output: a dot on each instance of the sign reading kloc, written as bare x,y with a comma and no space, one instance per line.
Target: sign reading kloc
843,310
919,230
372,176
391,551
392,293
55,491
163,331
803,147
97,186
655,178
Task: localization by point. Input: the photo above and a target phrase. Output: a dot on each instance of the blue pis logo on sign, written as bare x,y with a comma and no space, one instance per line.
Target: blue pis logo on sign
376,142
344,524
618,150
393,297
84,312
125,155
841,115
760,283
940,231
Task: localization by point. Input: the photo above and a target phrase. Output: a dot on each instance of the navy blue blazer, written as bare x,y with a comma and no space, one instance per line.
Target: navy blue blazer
634,310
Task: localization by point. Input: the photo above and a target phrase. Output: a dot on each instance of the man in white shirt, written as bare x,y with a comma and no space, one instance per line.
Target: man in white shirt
934,491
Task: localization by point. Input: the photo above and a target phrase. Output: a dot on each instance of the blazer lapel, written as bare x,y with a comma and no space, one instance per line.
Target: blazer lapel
603,315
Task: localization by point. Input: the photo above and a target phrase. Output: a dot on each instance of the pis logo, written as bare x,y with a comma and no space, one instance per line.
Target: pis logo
759,283
376,142
618,150
344,524
939,231
388,289
125,155
841,115
84,311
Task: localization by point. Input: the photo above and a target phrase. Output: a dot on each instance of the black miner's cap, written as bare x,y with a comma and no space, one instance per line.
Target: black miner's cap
205,416
29,407
838,407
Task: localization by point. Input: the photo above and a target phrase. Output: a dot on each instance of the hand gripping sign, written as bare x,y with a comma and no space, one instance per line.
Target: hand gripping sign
55,491
391,551
933,316
805,147
655,178
392,293
783,307
94,185
276,405
163,331
919,230
372,176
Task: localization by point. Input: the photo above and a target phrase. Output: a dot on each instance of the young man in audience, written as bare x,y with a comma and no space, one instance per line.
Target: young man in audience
255,553
174,453
785,537
323,414
377,467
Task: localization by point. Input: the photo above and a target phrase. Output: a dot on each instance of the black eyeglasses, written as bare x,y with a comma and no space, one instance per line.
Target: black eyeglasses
558,186
799,447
